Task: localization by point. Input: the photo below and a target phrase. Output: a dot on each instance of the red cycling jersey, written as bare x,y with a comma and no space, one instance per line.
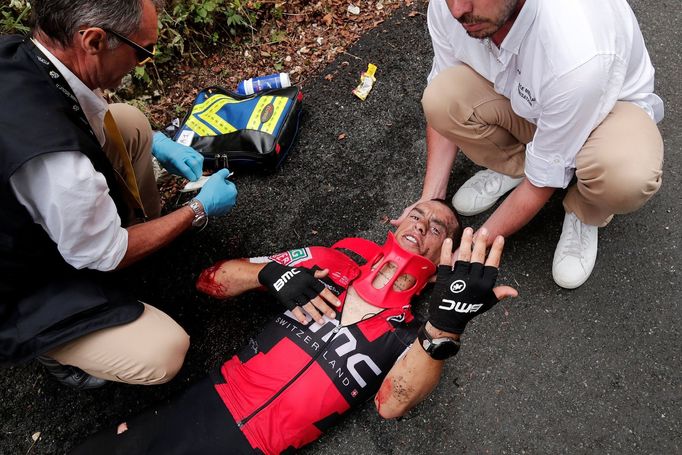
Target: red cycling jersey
293,381
282,390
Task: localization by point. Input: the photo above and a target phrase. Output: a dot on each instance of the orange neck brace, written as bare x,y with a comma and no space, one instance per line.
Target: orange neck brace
406,263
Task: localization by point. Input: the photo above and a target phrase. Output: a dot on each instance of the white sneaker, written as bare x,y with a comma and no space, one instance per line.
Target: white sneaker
481,191
575,253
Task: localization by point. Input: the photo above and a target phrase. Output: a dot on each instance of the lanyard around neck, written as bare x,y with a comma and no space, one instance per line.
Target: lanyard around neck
61,85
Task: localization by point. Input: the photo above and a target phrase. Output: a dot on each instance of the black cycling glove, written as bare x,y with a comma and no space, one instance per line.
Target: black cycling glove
293,286
461,294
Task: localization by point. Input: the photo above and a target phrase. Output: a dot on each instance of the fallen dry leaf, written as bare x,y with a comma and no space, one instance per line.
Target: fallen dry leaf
352,9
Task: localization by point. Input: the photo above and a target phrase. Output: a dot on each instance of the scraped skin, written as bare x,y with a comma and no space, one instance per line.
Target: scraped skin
212,281
382,395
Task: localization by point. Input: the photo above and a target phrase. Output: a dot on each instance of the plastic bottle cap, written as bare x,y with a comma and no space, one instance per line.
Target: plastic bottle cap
245,87
371,69
286,82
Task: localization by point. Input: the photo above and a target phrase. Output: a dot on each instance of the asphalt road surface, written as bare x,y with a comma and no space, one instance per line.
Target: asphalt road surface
593,370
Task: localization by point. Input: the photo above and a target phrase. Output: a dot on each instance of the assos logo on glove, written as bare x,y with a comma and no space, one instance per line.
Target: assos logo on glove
460,307
279,284
458,286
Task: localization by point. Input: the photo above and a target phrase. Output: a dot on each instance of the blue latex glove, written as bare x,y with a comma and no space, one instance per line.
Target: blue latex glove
176,158
218,195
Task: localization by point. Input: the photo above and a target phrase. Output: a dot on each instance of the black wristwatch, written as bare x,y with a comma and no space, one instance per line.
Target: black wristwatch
200,217
437,348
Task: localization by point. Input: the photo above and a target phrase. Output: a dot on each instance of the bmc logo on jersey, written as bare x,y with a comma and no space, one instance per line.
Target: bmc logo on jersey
460,307
279,284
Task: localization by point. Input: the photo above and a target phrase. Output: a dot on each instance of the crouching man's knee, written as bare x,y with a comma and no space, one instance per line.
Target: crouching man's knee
460,104
160,360
445,101
633,197
620,165
130,120
622,188
155,350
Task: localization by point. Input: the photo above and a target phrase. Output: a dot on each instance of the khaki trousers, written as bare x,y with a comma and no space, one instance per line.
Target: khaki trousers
151,349
618,168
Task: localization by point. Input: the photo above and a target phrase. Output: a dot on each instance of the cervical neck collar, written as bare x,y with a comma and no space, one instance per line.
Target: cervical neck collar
405,263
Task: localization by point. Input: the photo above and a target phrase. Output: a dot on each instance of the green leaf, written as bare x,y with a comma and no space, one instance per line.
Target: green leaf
140,72
235,19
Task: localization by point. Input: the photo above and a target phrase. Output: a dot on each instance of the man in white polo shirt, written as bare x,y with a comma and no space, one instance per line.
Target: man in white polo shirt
538,92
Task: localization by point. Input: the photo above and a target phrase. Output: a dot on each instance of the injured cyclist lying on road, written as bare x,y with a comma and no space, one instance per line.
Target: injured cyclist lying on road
348,334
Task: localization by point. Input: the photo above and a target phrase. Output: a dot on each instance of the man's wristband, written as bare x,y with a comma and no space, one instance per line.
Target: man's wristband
437,348
200,218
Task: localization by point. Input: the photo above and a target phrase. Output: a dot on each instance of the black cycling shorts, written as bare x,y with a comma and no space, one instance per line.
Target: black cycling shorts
196,422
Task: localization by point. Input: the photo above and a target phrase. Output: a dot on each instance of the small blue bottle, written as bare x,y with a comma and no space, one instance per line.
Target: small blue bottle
257,84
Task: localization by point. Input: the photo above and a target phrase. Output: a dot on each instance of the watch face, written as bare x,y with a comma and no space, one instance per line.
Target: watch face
199,221
437,348
443,350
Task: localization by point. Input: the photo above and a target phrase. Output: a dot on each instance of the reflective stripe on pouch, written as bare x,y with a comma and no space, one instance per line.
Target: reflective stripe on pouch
214,120
208,113
199,108
198,127
256,120
208,122
204,119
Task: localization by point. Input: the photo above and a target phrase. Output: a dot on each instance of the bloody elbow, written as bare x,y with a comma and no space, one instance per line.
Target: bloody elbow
387,406
208,283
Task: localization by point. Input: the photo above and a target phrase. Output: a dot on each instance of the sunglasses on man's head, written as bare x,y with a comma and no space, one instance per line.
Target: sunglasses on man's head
144,53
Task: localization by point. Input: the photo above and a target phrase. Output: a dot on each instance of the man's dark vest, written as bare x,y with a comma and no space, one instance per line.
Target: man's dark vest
44,302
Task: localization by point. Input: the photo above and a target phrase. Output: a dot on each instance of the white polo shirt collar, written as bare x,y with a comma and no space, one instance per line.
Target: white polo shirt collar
511,44
524,21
